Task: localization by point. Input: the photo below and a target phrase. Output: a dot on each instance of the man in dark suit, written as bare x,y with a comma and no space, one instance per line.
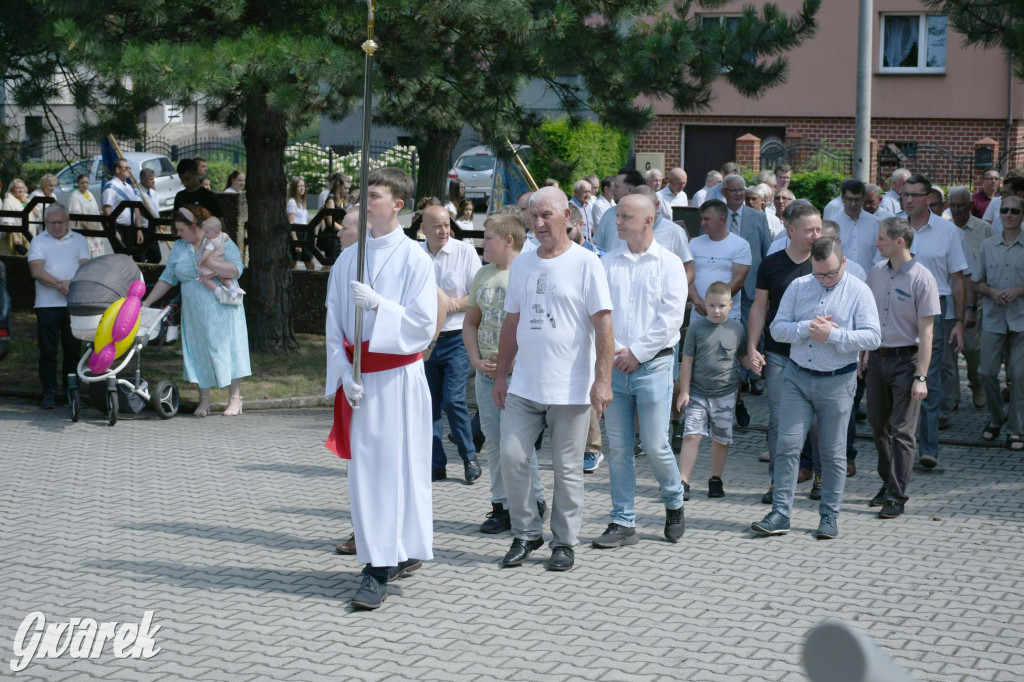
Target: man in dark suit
752,225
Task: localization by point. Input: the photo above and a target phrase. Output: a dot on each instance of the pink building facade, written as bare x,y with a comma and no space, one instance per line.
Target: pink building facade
935,103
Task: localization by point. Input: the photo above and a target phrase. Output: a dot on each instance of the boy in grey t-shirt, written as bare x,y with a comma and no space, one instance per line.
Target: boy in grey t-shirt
708,377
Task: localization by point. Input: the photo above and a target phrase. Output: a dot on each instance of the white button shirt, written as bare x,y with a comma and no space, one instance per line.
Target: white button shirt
455,266
666,200
939,246
648,298
858,237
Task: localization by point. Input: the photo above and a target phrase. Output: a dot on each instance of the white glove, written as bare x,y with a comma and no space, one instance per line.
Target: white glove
363,295
353,391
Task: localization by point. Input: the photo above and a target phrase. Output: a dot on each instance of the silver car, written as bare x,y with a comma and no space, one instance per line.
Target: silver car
167,182
475,167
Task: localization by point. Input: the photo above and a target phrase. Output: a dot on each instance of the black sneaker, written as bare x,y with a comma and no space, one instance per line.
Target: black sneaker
815,493
769,497
686,492
715,487
929,461
891,510
638,448
542,509
675,524
879,499
677,435
742,416
473,471
49,401
498,520
371,594
438,475
616,536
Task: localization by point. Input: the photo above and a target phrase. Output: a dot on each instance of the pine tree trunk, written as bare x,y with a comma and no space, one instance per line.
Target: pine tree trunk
435,149
267,300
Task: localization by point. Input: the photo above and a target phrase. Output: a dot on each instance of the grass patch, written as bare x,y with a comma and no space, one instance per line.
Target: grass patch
274,375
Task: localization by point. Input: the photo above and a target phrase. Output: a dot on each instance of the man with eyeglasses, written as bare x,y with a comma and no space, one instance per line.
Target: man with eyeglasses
999,278
939,246
53,259
858,229
117,191
828,319
989,188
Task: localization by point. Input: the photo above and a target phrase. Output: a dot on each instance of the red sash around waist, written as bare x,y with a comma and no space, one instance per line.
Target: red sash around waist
339,441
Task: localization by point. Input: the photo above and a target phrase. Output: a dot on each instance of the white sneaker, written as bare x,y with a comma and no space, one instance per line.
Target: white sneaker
765,456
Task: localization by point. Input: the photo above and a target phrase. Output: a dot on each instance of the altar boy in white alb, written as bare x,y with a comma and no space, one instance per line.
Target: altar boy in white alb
388,436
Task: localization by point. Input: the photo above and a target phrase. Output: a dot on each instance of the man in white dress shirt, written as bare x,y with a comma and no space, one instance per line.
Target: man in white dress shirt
672,193
938,245
891,199
118,190
858,229
711,180
447,368
604,200
581,193
648,288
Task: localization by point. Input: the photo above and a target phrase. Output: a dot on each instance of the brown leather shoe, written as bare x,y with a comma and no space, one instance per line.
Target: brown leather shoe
804,475
347,547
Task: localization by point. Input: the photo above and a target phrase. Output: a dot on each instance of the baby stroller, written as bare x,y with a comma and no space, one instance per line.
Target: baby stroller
96,285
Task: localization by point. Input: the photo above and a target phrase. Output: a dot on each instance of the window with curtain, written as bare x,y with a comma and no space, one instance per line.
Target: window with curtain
913,43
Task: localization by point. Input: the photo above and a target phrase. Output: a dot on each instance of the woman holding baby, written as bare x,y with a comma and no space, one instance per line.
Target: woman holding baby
214,338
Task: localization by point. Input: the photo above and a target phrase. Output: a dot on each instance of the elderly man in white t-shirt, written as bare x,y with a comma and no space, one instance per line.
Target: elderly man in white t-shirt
447,368
559,312
53,259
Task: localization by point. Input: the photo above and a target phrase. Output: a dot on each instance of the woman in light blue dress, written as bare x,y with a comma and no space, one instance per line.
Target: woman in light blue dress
214,338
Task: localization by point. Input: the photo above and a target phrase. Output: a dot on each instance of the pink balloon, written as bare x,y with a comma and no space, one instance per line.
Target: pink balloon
100,362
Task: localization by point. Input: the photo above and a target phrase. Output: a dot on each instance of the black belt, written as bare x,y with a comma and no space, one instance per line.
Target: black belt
834,373
662,353
449,334
898,351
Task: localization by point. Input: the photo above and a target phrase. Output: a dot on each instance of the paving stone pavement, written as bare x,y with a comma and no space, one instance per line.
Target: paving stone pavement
225,528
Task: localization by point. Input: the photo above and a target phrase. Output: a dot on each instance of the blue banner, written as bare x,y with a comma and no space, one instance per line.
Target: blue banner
509,182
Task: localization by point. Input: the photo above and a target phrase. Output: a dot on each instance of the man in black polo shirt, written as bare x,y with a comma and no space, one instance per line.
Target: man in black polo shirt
773,277
195,194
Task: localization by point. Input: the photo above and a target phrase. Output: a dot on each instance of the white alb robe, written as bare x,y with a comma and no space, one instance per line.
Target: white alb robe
389,473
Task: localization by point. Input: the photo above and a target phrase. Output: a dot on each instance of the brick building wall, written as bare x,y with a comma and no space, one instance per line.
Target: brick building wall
955,136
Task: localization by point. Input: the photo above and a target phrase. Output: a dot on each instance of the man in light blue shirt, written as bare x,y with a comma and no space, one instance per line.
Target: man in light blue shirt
827,318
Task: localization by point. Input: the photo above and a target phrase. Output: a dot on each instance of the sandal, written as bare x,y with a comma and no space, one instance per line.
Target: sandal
991,432
1014,443
234,407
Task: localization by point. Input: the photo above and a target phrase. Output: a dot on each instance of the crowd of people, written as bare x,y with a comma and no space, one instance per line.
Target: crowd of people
578,312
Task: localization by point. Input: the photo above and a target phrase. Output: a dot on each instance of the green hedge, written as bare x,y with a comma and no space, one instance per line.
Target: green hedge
820,187
565,153
31,171
218,172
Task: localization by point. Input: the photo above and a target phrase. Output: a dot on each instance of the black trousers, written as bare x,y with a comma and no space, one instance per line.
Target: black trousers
53,328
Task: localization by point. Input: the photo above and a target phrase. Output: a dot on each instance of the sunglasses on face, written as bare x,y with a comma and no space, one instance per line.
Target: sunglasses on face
1014,211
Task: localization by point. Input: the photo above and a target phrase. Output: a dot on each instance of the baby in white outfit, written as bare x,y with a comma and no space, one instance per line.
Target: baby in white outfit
214,250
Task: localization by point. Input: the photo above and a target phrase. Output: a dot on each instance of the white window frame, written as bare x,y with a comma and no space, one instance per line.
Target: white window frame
922,44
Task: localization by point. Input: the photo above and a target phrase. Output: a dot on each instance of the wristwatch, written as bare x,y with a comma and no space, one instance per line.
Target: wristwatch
971,306
921,377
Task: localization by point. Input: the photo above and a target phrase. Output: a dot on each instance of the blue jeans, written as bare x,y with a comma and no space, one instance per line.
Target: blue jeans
645,393
490,423
447,371
806,399
931,406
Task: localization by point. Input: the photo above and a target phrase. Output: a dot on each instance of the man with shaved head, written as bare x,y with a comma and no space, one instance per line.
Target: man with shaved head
672,193
447,368
559,312
648,287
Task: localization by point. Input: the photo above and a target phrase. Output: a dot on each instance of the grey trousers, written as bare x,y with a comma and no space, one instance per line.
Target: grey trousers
567,425
992,348
951,365
893,416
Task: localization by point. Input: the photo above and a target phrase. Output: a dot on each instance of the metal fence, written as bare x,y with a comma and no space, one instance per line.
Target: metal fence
1011,159
938,164
806,156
